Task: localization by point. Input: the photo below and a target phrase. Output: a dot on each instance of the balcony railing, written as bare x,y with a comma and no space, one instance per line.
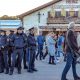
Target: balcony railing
62,20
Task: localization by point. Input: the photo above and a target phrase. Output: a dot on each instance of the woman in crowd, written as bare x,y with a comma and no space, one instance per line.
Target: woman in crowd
50,41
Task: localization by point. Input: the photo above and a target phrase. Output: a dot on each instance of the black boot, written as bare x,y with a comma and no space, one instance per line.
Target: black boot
1,71
25,67
49,63
77,78
40,58
11,73
34,69
19,71
30,71
53,60
7,71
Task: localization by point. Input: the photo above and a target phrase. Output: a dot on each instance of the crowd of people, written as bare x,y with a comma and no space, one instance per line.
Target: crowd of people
18,47
53,45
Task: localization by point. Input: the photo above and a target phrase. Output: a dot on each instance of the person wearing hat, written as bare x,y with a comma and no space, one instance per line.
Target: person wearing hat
18,42
20,28
24,57
31,50
71,47
3,52
10,47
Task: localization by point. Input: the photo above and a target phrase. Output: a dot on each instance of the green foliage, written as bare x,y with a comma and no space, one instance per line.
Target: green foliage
6,17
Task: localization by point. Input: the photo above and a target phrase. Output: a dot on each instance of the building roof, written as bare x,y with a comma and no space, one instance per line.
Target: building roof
38,8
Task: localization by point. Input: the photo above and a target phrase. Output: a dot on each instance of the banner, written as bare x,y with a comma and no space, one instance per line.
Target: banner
52,12
63,12
72,12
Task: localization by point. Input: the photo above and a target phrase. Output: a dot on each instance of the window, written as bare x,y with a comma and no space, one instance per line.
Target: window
49,14
72,13
68,1
58,14
76,13
67,14
71,1
74,1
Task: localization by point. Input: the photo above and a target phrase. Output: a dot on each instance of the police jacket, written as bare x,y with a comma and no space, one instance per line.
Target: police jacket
18,40
31,40
25,39
10,37
3,41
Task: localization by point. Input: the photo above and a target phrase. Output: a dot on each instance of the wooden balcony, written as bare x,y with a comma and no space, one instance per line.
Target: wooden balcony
62,20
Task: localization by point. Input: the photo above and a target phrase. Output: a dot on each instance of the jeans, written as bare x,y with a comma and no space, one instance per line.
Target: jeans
40,53
70,61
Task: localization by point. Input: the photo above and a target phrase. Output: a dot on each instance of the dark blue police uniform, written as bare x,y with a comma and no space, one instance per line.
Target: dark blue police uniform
18,43
31,52
4,52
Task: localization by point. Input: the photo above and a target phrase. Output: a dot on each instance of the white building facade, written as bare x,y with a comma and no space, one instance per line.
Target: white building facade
54,15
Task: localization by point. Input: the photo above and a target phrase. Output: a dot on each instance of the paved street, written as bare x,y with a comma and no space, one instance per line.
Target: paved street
45,72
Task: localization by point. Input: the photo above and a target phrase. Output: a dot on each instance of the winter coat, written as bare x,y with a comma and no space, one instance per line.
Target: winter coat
50,45
18,41
31,41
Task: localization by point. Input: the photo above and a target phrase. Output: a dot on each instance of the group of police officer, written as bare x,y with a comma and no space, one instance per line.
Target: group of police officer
17,47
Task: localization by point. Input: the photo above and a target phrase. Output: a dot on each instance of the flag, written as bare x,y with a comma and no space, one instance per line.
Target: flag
72,12
63,12
52,12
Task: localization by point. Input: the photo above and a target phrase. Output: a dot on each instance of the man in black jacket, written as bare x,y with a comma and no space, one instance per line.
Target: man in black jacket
19,42
71,46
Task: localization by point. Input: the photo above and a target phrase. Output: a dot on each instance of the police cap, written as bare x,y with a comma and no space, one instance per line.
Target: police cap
31,28
20,28
11,31
2,31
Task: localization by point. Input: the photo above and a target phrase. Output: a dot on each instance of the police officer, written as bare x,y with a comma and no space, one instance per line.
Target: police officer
32,50
1,56
3,52
18,43
10,47
25,53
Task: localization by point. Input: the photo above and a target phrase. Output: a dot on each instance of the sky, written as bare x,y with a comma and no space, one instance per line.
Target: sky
16,7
